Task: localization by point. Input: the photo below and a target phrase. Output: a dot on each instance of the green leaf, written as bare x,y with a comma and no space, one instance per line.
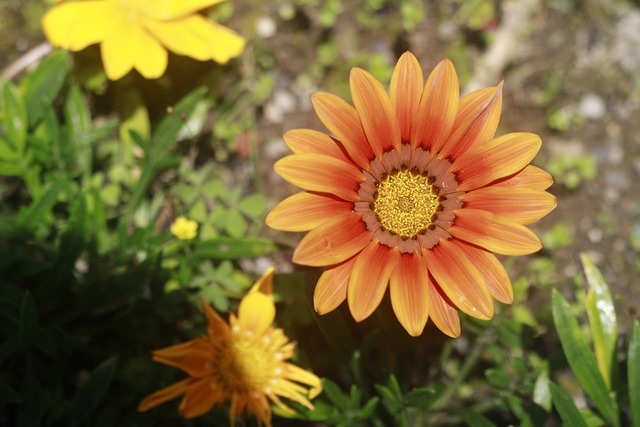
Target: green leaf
15,117
367,410
41,86
230,248
473,419
497,378
602,317
420,398
79,128
334,394
253,205
566,408
234,223
93,390
541,391
633,364
28,328
32,216
581,360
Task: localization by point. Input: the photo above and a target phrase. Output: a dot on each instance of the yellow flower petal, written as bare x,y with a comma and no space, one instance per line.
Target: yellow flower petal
76,25
264,285
164,10
256,313
197,37
132,47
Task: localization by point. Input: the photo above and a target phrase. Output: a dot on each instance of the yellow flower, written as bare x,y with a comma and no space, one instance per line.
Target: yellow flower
415,194
184,229
138,33
245,362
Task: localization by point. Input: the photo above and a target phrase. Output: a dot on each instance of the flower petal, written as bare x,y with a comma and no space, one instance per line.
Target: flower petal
493,272
369,279
164,395
502,157
376,113
459,279
198,37
264,284
130,46
76,25
256,313
342,120
334,241
531,176
200,398
331,289
163,9
303,141
442,311
476,122
409,290
305,211
217,327
317,172
493,233
194,357
405,92
295,373
437,109
518,204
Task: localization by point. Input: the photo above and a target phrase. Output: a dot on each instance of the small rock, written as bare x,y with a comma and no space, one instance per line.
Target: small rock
592,106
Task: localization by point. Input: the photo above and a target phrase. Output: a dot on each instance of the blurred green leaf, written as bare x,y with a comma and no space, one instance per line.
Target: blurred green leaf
420,398
253,205
602,317
497,378
230,248
334,394
15,117
473,419
234,224
41,86
541,391
566,408
92,391
35,214
581,360
633,363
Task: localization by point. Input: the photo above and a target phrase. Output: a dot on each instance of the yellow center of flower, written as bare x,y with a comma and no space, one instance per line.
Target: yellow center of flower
246,365
405,203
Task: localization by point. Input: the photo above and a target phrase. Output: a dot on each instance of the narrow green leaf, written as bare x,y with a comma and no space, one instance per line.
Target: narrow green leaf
473,419
14,117
581,360
566,408
93,390
334,394
79,128
41,86
229,248
497,378
633,364
602,317
35,213
541,391
165,136
420,398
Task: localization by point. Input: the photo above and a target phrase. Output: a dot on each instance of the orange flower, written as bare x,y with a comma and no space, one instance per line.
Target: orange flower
245,362
413,191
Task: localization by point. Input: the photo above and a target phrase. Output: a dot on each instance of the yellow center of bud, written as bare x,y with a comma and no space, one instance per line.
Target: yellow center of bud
246,365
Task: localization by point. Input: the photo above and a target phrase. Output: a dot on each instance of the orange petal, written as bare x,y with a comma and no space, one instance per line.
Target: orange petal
442,311
437,109
409,290
459,279
317,172
343,121
376,113
531,176
194,357
331,289
217,326
200,398
493,233
405,91
369,279
303,141
493,272
334,241
502,157
164,395
305,211
476,122
518,204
